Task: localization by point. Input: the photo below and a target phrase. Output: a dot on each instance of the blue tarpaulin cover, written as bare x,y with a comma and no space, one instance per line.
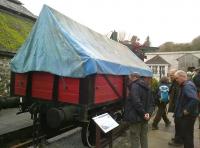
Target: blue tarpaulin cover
61,46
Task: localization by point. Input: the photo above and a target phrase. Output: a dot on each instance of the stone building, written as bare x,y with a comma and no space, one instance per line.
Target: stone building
5,73
16,22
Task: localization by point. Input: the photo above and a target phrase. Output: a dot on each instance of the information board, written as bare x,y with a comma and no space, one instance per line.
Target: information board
105,122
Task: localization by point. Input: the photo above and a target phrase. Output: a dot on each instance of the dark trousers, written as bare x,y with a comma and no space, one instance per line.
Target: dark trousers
177,137
161,113
185,126
138,135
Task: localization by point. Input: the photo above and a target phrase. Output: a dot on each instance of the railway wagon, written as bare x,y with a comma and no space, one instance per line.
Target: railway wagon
60,101
65,73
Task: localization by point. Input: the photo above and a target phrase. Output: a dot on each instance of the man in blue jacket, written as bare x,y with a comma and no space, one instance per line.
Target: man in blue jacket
186,108
138,108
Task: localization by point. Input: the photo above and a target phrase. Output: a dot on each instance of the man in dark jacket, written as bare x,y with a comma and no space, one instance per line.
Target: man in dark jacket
138,108
173,95
186,108
196,80
173,91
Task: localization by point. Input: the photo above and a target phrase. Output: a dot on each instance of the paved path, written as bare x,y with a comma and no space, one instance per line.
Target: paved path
9,121
159,138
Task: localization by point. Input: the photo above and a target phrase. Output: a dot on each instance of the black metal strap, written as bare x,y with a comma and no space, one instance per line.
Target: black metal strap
29,86
111,85
36,126
55,88
12,84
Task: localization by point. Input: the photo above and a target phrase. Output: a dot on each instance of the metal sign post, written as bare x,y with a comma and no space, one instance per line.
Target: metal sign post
104,123
98,137
110,139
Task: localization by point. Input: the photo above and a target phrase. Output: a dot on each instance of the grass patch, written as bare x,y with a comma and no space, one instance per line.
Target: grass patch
13,31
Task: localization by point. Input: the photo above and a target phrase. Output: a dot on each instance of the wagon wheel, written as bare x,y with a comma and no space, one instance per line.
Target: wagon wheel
88,134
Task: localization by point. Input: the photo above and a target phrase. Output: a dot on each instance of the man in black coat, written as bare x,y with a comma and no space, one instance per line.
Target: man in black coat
196,80
138,108
173,95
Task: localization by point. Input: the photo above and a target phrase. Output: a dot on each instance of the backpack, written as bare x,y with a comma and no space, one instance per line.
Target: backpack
164,93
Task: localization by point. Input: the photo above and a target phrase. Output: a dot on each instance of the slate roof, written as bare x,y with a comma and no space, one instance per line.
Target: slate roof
187,55
15,6
157,60
15,1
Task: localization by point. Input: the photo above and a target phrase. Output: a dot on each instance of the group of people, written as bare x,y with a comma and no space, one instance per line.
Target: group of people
182,96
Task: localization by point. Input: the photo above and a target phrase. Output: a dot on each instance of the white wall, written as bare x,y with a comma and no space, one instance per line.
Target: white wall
171,57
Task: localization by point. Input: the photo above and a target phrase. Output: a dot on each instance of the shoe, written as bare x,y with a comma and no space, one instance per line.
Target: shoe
173,143
155,128
168,124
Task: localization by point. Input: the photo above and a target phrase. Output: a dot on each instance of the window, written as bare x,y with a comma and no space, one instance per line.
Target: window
162,70
155,69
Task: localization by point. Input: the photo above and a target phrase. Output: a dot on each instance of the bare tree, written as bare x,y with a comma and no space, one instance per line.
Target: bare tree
134,39
147,42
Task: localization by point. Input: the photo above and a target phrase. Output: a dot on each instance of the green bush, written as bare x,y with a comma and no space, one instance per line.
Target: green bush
154,84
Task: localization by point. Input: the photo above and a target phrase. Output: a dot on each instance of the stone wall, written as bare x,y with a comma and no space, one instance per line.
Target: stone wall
4,76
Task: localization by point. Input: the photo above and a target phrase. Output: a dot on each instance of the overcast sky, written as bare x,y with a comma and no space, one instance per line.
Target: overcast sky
163,20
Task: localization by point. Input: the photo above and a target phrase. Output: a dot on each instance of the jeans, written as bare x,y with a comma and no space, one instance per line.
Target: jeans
138,134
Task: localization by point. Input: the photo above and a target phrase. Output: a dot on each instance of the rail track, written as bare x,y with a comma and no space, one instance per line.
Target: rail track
22,138
8,139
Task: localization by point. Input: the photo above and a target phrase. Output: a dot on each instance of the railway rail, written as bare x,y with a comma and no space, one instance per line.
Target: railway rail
23,137
8,139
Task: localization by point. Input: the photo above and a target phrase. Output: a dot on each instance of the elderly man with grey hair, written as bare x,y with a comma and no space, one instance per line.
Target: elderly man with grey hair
173,95
186,108
138,108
